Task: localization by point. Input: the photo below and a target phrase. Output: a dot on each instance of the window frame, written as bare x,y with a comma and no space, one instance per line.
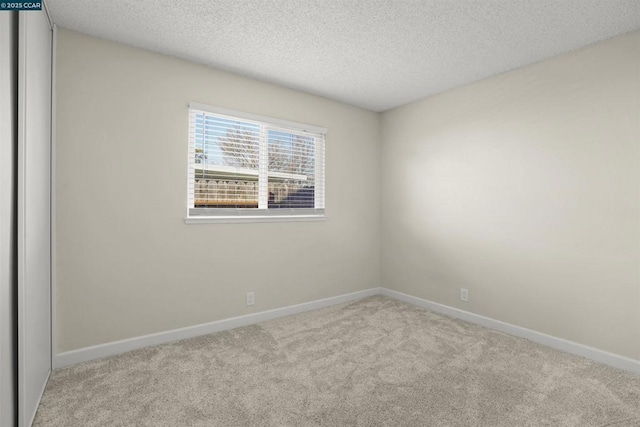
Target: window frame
233,215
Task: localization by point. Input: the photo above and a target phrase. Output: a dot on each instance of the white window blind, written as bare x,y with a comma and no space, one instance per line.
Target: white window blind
247,165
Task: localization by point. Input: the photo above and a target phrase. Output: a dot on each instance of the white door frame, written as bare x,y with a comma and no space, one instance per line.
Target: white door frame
34,211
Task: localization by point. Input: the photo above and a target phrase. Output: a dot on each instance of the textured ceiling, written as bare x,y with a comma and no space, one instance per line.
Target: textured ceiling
376,54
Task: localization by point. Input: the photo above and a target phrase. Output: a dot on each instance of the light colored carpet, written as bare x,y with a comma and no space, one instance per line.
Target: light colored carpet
372,362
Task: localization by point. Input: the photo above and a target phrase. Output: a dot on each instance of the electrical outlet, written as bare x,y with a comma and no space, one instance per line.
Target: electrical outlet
464,295
251,298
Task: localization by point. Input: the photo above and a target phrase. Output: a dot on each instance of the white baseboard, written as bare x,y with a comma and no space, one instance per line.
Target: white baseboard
86,354
110,349
570,347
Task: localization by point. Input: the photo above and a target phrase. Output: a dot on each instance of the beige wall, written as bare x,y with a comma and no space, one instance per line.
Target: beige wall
127,265
524,188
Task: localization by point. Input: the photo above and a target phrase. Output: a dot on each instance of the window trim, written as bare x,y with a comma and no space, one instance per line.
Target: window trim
253,219
237,215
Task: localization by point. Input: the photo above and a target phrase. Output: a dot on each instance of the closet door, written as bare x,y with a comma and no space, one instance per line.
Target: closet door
34,211
8,326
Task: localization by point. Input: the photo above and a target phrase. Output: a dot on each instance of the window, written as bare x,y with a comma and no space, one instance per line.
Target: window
246,167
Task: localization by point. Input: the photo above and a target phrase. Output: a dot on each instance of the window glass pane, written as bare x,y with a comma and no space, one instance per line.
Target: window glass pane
291,170
245,165
226,162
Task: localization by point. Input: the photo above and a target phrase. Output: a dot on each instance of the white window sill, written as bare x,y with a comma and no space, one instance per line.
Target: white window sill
251,219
